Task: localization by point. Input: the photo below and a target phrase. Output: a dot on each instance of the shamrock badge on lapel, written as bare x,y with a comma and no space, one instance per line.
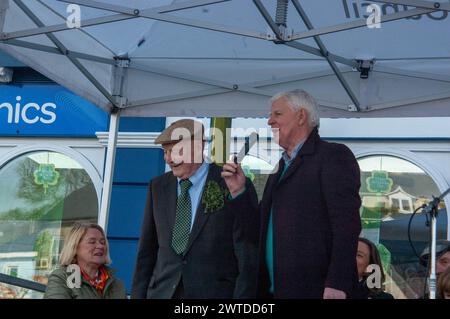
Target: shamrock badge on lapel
213,198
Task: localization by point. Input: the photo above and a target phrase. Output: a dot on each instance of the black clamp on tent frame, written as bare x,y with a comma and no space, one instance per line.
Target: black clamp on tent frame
364,66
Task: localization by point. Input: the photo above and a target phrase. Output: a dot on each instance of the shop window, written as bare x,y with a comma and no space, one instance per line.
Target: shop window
391,189
258,171
13,271
395,204
41,195
405,205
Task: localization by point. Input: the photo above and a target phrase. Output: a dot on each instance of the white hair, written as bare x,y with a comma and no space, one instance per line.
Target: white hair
298,99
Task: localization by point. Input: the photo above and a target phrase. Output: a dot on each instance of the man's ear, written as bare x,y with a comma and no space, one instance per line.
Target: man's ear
302,117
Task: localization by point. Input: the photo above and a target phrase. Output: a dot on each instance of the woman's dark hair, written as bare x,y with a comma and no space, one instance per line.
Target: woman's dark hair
374,258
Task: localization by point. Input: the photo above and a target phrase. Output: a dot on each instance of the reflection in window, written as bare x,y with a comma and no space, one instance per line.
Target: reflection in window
391,189
41,195
406,206
395,204
256,169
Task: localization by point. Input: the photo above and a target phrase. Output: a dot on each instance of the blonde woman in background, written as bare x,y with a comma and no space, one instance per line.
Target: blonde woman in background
85,249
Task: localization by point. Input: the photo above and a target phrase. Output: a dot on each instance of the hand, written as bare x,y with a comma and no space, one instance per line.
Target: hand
331,293
234,178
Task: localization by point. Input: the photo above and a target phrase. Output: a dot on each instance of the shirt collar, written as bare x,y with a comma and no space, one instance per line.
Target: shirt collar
198,175
295,151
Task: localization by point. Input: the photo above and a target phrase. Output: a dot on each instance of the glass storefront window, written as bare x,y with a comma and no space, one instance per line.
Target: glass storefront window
41,195
257,170
391,189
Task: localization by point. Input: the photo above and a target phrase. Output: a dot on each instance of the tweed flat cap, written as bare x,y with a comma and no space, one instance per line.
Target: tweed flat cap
181,129
442,246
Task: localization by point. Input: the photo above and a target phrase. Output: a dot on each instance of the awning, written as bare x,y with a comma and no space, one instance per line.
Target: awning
226,58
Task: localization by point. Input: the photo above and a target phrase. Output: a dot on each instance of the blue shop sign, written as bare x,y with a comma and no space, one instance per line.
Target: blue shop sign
47,110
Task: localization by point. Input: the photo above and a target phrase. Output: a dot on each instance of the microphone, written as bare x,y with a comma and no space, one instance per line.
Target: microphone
249,142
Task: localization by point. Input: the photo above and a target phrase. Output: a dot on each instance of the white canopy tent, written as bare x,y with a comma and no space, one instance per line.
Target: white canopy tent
227,57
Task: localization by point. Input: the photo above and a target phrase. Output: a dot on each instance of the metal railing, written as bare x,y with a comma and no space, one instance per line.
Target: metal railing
23,283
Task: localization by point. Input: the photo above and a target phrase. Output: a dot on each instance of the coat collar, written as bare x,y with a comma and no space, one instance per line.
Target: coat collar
308,148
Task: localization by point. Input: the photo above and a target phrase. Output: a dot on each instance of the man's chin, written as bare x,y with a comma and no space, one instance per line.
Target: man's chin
177,170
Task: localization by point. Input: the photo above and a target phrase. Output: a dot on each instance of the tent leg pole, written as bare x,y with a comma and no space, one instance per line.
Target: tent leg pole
109,169
4,5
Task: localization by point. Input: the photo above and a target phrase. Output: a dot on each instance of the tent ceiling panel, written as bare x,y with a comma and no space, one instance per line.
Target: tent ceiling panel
412,39
174,41
59,69
238,71
143,84
179,64
76,40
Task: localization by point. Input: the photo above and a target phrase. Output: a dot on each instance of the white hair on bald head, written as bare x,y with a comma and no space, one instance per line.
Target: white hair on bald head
300,99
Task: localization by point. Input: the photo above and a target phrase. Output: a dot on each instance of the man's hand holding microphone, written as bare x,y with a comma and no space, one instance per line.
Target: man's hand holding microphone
232,171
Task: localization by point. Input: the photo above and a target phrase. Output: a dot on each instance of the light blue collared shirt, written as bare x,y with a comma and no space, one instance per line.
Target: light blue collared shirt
287,159
198,181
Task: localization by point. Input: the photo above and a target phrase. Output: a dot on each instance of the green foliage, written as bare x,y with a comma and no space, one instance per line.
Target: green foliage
33,214
69,181
43,245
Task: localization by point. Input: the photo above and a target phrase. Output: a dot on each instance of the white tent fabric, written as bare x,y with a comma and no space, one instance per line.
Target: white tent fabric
219,57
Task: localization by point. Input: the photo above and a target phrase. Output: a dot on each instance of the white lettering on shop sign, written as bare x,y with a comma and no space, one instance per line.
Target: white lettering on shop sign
18,113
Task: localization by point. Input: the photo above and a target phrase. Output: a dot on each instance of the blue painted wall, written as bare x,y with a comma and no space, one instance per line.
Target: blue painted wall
47,109
134,168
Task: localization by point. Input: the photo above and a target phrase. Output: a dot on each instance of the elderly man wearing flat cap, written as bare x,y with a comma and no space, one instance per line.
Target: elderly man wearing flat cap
192,244
442,256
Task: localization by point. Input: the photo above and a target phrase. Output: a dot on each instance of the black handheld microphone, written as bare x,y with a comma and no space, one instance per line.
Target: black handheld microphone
249,142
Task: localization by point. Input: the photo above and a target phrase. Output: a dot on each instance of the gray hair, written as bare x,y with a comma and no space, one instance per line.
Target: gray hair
298,99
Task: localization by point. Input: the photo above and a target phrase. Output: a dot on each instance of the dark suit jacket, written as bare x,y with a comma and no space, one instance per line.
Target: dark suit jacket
220,260
316,222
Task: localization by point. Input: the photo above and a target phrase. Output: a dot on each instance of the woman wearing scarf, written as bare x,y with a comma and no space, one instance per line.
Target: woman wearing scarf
83,273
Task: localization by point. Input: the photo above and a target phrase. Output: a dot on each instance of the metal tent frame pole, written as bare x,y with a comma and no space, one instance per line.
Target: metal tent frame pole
3,7
324,51
108,174
119,78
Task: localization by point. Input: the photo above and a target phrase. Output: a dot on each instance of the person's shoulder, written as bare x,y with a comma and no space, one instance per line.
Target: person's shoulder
161,178
57,285
335,148
60,272
117,285
333,145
